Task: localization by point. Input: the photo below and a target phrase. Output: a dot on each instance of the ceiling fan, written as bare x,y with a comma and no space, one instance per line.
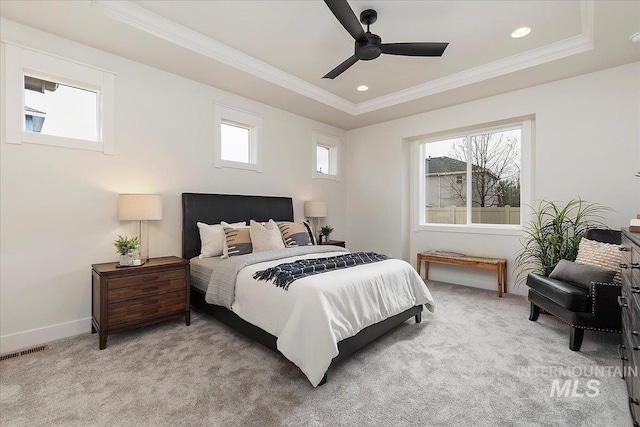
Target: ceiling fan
368,45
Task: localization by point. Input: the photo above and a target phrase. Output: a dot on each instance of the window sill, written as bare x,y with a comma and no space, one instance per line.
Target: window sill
505,230
61,141
327,176
239,165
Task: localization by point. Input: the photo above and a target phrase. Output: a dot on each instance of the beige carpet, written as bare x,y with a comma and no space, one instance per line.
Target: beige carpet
460,366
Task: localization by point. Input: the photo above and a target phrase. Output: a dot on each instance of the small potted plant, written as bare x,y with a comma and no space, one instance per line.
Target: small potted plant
126,247
325,232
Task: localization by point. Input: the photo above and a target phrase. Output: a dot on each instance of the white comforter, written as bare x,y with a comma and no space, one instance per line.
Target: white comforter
318,311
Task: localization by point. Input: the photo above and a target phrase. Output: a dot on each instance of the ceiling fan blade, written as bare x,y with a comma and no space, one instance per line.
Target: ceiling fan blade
347,18
341,68
414,49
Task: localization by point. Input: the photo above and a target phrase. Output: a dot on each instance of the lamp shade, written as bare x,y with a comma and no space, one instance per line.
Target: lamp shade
315,209
139,207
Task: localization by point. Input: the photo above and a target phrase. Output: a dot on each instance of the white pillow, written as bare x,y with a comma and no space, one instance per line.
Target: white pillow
225,248
212,239
265,237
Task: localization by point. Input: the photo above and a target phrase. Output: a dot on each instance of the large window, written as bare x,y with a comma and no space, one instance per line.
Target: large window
474,178
53,101
326,152
237,139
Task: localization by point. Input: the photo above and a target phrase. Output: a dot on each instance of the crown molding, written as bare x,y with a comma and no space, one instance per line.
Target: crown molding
156,25
151,23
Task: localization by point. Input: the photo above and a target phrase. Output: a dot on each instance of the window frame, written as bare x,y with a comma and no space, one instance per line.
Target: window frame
234,117
332,143
21,62
526,178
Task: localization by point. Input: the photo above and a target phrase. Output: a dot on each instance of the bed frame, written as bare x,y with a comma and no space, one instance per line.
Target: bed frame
214,208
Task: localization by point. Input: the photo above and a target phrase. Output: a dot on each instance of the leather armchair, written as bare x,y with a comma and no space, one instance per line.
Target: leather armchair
595,308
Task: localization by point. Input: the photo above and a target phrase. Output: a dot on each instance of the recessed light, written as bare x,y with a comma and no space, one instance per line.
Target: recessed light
362,88
521,32
635,37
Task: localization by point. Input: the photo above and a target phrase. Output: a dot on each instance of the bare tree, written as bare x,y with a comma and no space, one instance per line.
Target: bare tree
495,168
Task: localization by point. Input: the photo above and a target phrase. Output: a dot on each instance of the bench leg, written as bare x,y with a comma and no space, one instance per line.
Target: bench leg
500,276
504,277
419,264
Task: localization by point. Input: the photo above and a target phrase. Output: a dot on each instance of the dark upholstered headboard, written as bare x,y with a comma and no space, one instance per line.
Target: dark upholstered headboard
214,208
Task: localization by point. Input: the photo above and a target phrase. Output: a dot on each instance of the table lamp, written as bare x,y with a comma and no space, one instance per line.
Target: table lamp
315,210
140,208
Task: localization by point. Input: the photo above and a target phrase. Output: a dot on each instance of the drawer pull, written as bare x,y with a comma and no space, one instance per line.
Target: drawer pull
621,347
623,265
151,301
149,312
635,265
153,288
634,401
150,278
623,249
622,304
634,333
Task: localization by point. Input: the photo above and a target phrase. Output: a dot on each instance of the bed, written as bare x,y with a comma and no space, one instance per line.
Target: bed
214,208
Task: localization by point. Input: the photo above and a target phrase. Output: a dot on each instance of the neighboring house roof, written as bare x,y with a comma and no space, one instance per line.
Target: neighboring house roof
446,166
33,110
441,165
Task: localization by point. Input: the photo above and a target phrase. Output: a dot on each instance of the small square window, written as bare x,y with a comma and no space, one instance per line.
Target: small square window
237,141
325,156
323,159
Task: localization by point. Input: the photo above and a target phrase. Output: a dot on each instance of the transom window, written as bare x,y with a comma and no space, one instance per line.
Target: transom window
326,152
474,178
236,143
56,109
58,102
237,139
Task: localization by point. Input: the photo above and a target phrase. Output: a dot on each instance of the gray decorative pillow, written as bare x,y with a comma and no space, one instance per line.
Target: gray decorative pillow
238,241
296,234
581,274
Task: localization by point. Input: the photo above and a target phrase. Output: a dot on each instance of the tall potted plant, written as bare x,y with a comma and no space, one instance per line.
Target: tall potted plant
554,233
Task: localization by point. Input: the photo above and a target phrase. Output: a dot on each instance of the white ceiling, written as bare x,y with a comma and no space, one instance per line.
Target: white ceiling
277,51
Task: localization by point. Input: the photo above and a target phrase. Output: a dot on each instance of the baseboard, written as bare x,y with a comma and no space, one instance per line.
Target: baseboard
20,340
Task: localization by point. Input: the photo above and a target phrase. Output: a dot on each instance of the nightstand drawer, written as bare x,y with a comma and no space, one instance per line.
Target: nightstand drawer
127,298
148,289
145,279
151,306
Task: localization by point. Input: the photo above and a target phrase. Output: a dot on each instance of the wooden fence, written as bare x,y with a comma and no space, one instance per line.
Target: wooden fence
458,215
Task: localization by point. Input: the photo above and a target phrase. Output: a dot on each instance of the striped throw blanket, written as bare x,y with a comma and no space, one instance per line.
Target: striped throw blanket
283,275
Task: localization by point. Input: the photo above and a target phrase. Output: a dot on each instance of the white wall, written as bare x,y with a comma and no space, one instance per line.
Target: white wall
59,206
587,144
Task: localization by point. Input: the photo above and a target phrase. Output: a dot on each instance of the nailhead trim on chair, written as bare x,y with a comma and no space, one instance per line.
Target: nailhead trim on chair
581,327
593,293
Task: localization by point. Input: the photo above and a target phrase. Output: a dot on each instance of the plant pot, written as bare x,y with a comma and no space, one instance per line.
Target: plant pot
125,260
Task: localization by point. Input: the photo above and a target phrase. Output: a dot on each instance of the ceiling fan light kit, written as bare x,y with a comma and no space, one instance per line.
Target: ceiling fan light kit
369,46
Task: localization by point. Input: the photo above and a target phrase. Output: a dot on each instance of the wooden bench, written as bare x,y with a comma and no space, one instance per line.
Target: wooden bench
497,264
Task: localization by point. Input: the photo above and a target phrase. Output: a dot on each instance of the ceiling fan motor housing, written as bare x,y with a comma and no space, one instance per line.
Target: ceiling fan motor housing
369,50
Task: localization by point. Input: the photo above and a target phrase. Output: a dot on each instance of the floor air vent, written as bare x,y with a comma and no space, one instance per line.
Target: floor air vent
23,352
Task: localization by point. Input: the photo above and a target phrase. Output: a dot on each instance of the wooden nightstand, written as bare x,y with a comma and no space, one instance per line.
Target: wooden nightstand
336,243
131,297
